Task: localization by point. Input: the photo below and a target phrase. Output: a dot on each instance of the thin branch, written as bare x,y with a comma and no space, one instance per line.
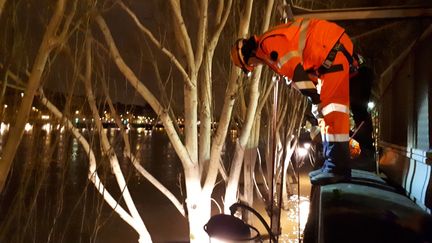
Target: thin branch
145,93
202,33
92,175
40,62
150,35
176,8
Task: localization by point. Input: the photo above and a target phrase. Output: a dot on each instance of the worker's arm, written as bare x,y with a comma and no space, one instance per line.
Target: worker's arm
284,58
305,85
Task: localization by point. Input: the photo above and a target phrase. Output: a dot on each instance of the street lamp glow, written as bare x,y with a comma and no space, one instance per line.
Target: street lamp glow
371,104
77,112
302,151
28,127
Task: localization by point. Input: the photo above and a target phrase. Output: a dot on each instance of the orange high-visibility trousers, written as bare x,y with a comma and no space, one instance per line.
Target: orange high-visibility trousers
335,125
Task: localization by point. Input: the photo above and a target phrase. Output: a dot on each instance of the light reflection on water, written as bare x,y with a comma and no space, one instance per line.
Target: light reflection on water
72,210
50,175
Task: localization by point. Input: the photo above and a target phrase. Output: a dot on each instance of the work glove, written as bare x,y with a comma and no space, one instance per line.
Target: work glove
316,111
354,148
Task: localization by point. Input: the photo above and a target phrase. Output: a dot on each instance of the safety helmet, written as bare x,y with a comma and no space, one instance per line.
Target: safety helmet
241,52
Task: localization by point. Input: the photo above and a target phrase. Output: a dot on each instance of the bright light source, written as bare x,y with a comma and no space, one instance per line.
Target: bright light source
77,112
5,106
304,213
47,127
371,104
215,240
302,152
4,127
45,117
28,127
306,145
22,94
249,74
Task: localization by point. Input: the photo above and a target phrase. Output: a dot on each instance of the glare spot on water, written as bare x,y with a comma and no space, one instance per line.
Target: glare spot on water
296,215
74,150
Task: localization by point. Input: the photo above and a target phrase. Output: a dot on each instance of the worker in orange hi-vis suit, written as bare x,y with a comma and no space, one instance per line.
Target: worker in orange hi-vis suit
301,50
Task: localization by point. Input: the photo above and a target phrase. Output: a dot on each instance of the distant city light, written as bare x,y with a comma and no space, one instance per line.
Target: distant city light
371,104
28,127
47,127
4,127
45,117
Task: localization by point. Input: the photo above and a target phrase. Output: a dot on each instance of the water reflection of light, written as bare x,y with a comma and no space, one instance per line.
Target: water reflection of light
74,154
47,127
3,127
297,214
28,127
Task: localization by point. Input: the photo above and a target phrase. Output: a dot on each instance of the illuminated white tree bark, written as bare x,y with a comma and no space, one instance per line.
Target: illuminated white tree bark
108,150
237,163
93,175
51,39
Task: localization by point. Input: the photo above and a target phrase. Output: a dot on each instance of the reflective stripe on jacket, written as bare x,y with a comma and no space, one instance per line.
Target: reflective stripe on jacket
304,41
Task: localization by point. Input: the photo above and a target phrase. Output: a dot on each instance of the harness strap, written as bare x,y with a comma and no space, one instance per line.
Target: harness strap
328,67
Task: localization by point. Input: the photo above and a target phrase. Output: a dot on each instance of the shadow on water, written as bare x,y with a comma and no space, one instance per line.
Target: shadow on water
48,197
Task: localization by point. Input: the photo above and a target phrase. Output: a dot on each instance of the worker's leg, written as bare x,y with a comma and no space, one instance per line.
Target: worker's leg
335,124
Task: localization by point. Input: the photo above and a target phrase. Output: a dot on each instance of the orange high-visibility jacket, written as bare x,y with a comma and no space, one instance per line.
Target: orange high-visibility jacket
304,41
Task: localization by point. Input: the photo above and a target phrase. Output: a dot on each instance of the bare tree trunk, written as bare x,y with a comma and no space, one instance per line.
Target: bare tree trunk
107,149
198,205
2,4
128,153
233,179
249,166
93,176
49,41
230,94
236,165
206,90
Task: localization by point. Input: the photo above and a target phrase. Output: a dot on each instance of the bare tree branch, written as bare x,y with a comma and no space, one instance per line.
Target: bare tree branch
2,3
150,35
92,175
176,8
17,130
202,33
145,93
